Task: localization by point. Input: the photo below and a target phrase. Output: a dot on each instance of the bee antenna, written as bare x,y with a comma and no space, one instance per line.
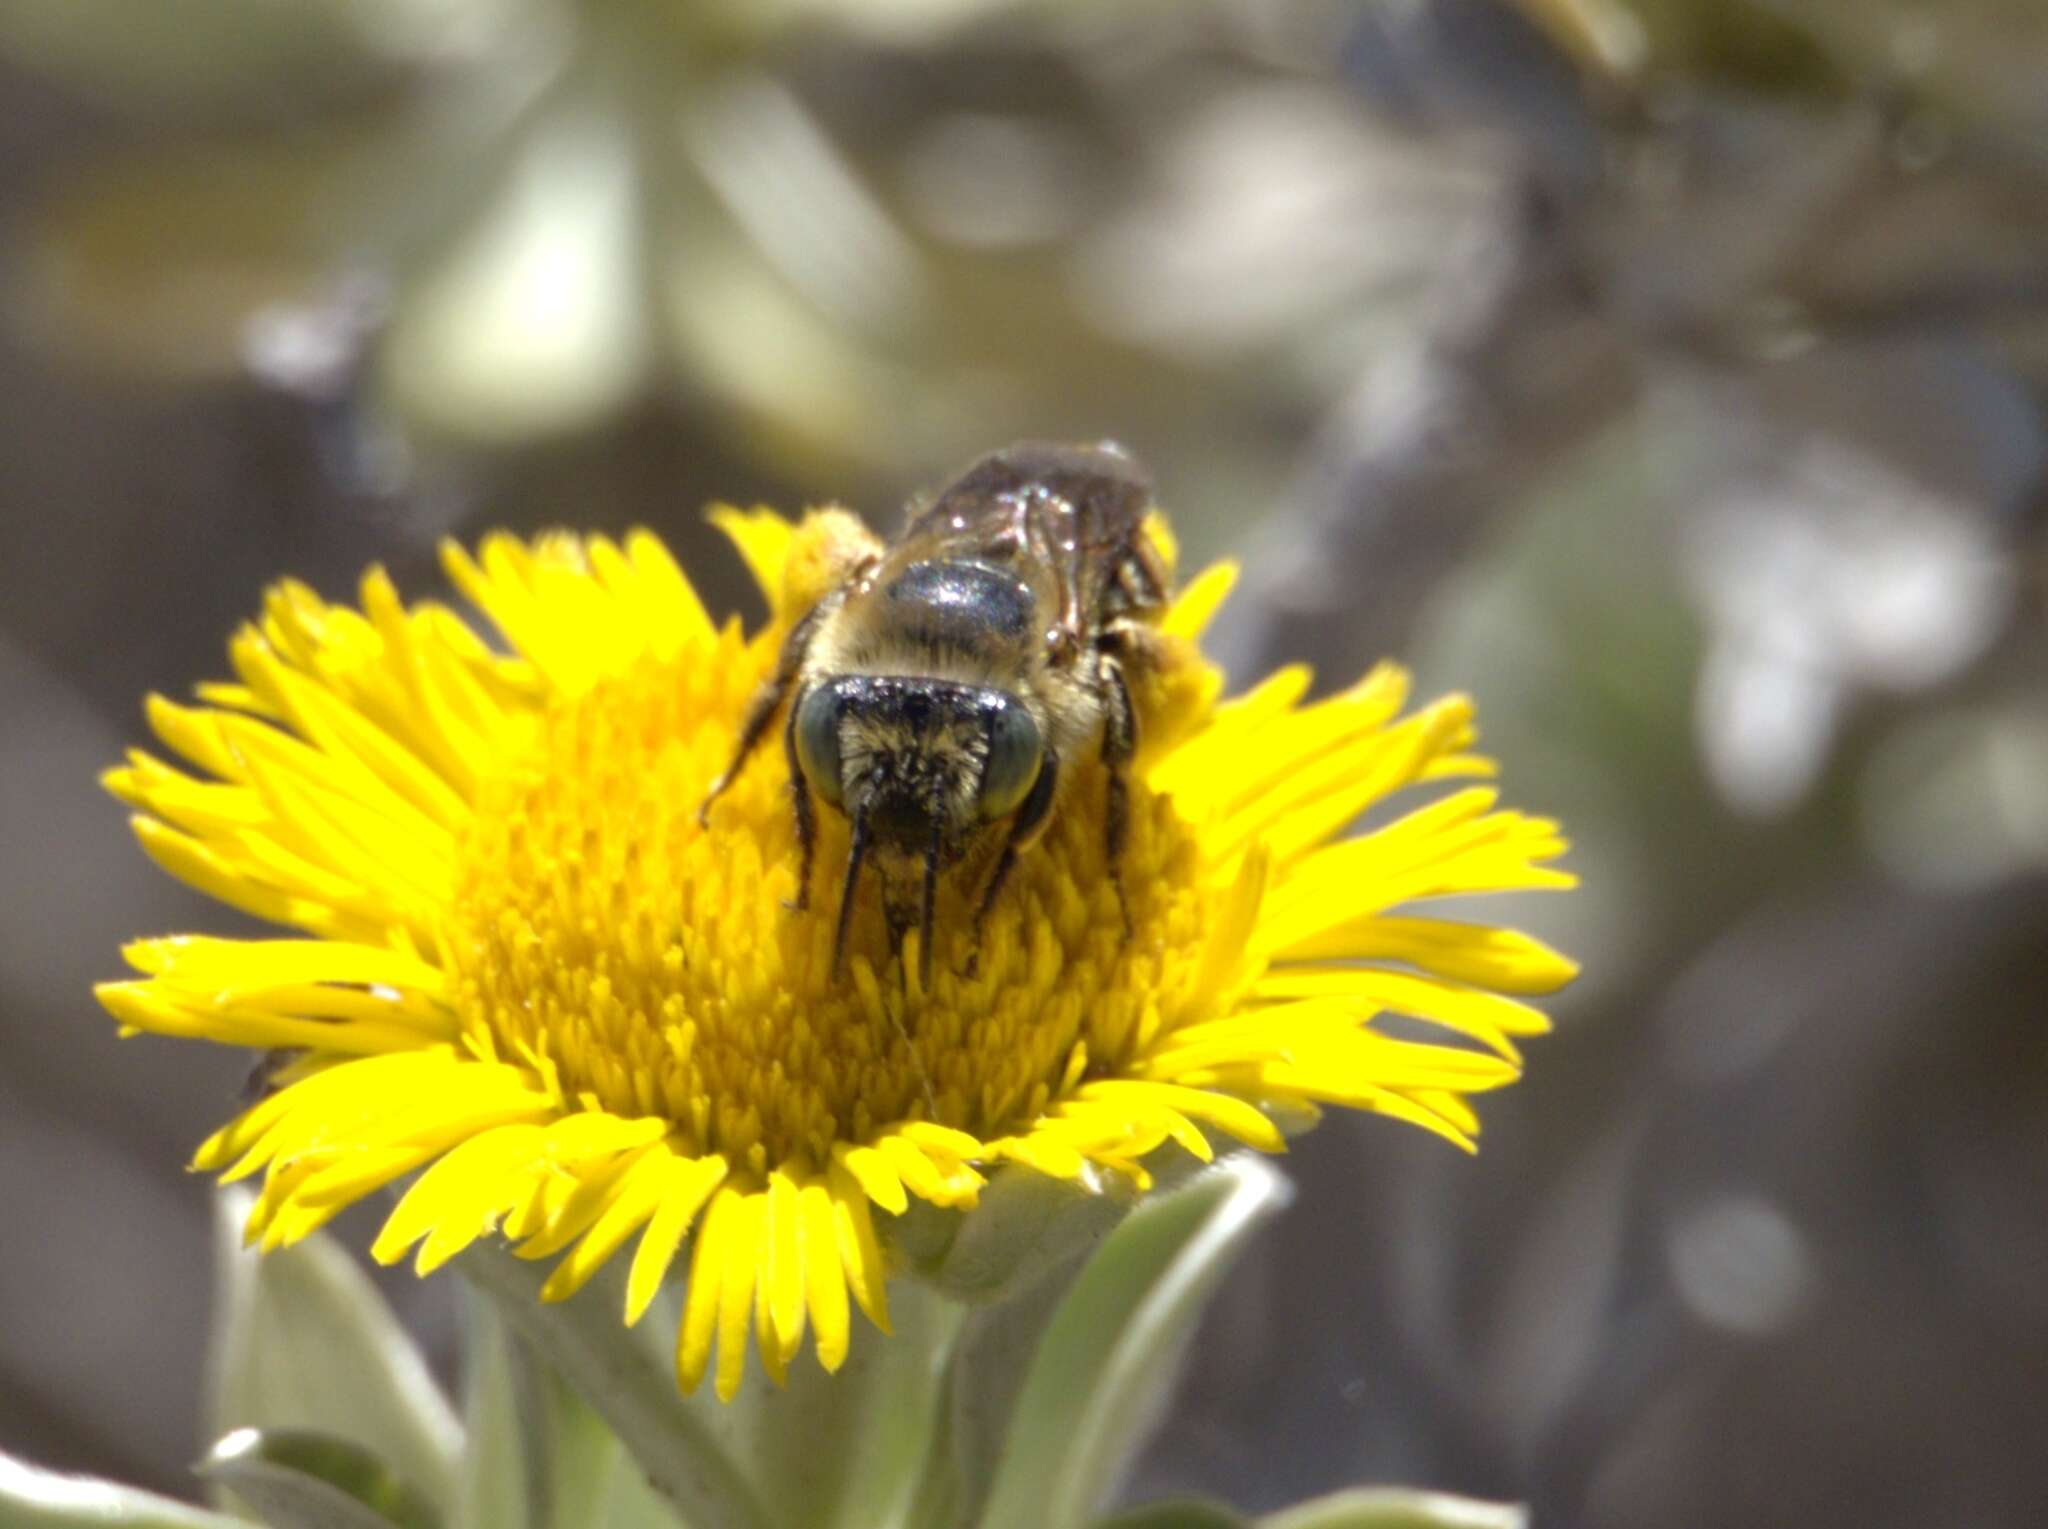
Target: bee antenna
855,854
924,960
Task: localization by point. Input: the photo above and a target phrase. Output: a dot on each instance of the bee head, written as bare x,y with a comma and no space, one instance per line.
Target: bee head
918,764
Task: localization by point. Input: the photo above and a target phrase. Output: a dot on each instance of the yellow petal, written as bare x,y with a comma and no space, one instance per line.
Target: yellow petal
824,1275
876,1174
1232,1116
762,539
785,1268
1197,603
452,1200
859,1254
702,1301
688,1185
1477,954
633,1198
740,1255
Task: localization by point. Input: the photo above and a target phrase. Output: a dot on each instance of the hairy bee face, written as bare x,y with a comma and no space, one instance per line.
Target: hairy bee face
919,765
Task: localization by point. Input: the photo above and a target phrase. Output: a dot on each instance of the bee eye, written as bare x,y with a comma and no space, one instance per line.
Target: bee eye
1015,754
817,742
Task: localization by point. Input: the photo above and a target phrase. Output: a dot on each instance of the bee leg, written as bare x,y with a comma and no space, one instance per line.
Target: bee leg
1023,828
899,916
1119,742
262,1080
857,851
761,710
1006,859
806,814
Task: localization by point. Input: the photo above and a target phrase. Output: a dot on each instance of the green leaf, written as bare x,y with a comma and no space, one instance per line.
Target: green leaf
502,1463
1095,1382
1013,1258
33,1498
908,1432
538,1456
583,1456
597,1482
861,1449
1178,1515
1043,1388
848,1451
1397,1508
298,1479
303,1341
628,1376
991,1358
635,1503
1026,1226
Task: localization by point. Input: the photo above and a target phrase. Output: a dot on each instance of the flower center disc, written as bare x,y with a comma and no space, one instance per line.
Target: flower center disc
658,967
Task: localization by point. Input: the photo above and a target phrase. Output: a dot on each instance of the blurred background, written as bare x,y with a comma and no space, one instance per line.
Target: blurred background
1669,373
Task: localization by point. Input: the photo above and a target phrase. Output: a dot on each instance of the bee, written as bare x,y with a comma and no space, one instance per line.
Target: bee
943,694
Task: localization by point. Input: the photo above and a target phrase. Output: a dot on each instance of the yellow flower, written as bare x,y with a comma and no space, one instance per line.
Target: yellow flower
532,978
